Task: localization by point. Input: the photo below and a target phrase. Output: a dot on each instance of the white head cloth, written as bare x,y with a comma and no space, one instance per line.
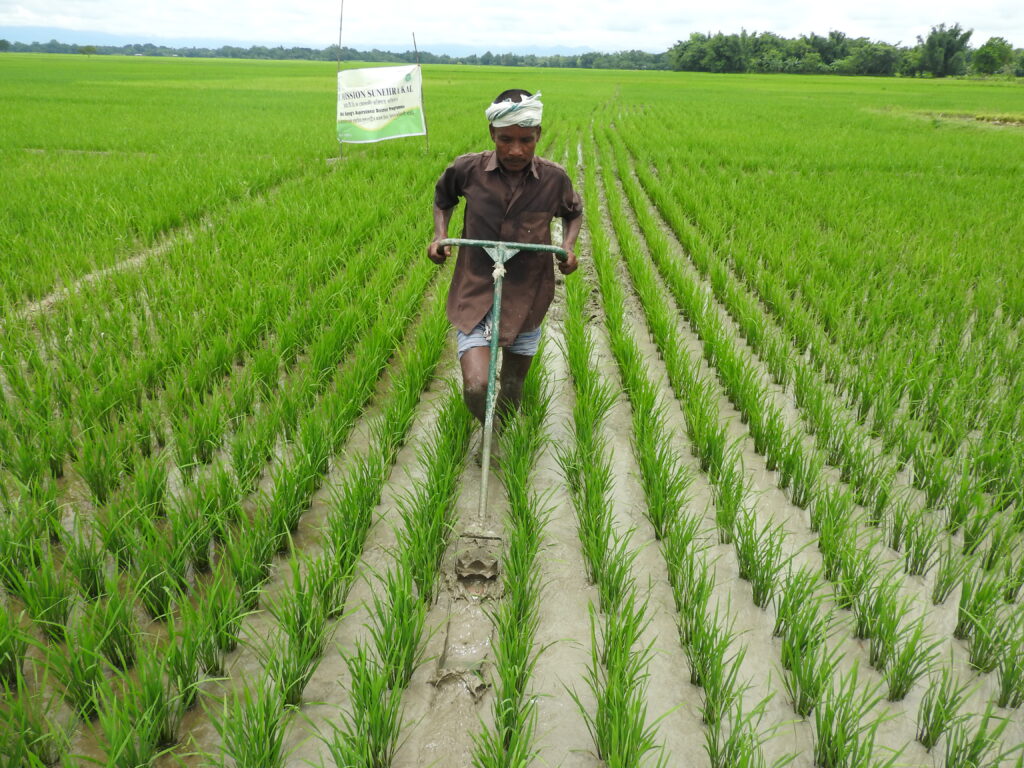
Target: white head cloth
526,112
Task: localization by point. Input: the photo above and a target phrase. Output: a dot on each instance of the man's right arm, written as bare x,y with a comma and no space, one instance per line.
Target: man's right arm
436,252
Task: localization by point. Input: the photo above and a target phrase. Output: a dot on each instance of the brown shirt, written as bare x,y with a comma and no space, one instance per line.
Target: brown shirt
501,207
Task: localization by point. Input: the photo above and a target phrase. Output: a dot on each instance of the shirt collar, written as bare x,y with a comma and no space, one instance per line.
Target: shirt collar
492,164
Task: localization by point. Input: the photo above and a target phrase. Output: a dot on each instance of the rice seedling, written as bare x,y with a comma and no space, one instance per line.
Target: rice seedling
117,526
32,733
979,598
730,491
48,597
799,470
980,747
286,504
940,707
900,520
21,550
680,550
251,724
85,559
368,736
251,448
736,742
149,486
692,596
951,570
706,645
99,464
13,645
844,729
664,479
811,670
183,659
720,683
1010,667
910,661
216,497
112,627
302,618
156,704
760,556
1002,540
159,571
617,678
858,566
1013,578
248,553
976,528
79,669
922,545
799,588
804,631
397,625
879,614
191,532
986,640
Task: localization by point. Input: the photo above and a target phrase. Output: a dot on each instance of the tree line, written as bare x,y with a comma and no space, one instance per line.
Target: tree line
943,52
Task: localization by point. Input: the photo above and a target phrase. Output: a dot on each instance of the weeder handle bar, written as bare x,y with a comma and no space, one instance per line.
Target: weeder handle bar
501,251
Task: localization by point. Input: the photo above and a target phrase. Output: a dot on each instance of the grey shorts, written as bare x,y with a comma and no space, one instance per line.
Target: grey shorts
525,343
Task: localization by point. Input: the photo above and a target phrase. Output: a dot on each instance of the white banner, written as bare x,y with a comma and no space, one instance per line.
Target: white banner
380,103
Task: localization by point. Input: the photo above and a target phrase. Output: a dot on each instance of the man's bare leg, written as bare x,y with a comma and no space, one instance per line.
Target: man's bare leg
475,362
513,373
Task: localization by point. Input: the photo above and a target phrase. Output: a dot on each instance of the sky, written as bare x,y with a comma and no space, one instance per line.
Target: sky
601,25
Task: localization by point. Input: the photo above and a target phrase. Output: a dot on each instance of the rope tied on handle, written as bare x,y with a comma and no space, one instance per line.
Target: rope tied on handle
498,271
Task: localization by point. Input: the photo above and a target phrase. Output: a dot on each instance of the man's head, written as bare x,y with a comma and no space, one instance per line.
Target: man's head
514,119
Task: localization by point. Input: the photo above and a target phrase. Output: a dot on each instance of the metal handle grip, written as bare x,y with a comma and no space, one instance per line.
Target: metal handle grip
493,246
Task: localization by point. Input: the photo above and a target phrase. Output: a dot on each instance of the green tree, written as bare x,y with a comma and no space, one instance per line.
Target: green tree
944,53
88,50
5,45
990,58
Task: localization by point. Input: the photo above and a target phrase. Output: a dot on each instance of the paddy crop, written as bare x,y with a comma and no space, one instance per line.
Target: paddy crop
771,320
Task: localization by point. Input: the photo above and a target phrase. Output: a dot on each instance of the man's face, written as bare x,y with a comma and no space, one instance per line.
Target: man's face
514,146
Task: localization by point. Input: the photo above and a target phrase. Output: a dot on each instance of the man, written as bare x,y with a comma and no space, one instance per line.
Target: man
511,195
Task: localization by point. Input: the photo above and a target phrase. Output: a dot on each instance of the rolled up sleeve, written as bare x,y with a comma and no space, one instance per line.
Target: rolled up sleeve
570,204
448,189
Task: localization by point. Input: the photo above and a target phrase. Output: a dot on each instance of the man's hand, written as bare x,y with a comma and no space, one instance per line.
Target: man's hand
568,266
437,253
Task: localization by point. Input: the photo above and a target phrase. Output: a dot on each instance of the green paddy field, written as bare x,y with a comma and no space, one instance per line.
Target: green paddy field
764,503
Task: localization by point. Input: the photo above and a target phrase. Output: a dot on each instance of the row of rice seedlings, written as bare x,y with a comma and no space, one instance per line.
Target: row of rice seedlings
913,657
777,301
352,503
323,301
782,447
706,640
213,341
852,457
318,596
510,739
381,668
807,684
617,672
319,586
211,629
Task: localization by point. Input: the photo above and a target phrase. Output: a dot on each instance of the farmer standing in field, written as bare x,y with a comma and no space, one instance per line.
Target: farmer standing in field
511,195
